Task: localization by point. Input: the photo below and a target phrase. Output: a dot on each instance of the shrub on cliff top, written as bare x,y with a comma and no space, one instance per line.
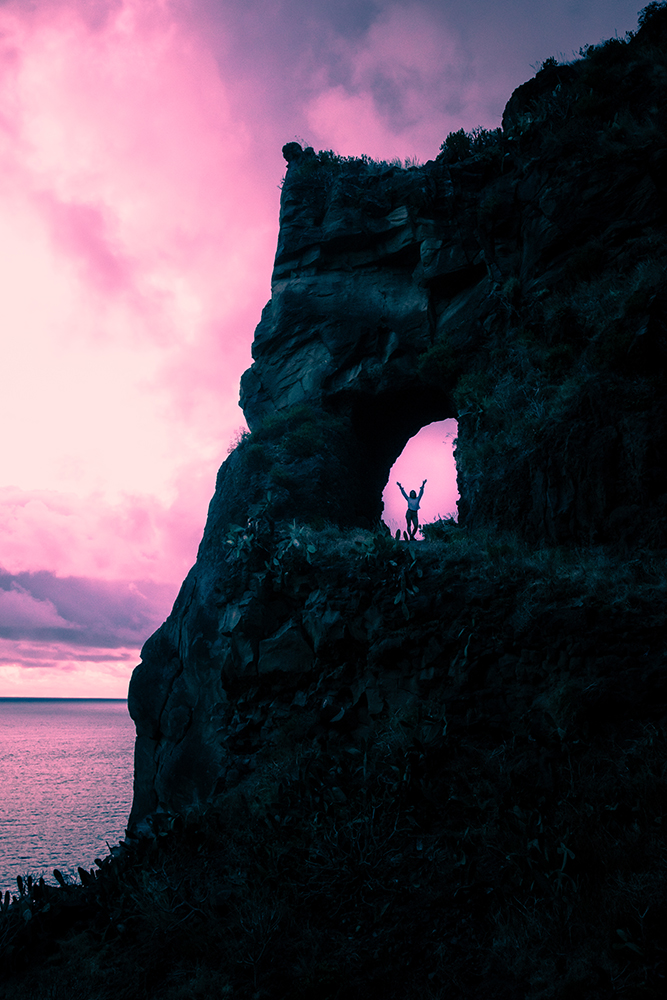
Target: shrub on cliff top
444,529
652,19
461,144
326,161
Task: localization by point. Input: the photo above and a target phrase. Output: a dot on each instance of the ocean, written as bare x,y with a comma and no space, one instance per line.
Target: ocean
66,769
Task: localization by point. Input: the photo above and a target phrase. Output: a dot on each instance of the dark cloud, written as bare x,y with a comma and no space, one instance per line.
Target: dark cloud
81,611
281,59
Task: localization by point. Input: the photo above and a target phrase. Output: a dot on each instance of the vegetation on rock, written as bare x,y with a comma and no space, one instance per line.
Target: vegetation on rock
484,819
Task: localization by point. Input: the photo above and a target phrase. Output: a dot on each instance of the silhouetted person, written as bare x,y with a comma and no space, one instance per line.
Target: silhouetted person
411,516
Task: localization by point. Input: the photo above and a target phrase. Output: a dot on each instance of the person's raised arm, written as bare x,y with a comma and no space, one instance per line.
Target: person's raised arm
421,492
403,491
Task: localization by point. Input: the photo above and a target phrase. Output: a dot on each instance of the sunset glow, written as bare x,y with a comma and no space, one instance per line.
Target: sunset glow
140,171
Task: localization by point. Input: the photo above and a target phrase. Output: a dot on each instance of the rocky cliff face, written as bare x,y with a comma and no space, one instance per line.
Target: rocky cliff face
520,290
517,283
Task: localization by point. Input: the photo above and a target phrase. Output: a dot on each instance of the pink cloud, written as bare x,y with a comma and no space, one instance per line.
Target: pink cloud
138,243
54,670
138,235
81,232
42,655
134,538
408,83
20,610
139,171
91,613
74,636
421,69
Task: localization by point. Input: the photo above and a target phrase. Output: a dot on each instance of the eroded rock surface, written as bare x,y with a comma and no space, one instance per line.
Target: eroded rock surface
515,283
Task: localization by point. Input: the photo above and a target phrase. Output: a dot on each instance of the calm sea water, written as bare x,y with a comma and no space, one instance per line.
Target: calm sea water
65,783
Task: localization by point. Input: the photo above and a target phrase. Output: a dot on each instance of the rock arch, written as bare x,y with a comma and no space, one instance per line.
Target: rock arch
383,425
404,296
350,319
429,455
480,289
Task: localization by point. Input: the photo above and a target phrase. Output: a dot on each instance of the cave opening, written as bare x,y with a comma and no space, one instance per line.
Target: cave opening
415,419
428,454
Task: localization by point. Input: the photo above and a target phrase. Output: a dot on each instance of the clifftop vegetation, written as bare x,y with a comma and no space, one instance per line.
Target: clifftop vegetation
498,834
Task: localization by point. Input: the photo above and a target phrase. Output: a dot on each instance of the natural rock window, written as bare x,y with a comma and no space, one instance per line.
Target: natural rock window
429,454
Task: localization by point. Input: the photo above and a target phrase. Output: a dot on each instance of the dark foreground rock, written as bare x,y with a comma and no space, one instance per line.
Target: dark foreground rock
474,810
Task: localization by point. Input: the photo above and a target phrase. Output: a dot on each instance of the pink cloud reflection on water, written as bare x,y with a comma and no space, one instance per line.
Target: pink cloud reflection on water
65,784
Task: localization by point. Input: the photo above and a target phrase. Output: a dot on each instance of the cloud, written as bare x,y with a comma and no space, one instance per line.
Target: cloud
389,78
137,537
403,84
82,233
20,613
136,251
139,183
81,612
43,670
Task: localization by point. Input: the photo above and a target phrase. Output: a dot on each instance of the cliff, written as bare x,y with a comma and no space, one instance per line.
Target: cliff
367,768
517,283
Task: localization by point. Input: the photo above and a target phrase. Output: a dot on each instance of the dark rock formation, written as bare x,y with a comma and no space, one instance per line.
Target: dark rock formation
520,290
516,283
389,770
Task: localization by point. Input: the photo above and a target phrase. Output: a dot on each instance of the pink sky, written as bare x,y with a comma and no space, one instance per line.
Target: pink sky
428,455
140,165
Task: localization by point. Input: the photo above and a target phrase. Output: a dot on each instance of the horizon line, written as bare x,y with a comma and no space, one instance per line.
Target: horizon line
18,697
